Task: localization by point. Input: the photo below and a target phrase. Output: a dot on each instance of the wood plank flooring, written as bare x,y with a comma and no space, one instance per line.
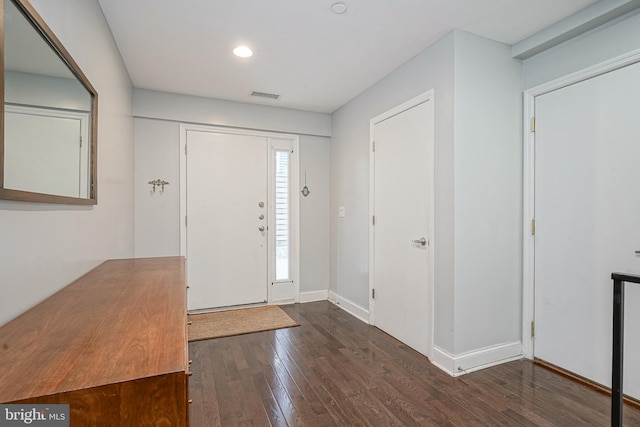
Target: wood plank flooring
335,370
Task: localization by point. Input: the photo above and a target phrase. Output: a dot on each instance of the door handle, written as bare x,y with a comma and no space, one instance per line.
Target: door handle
261,228
422,241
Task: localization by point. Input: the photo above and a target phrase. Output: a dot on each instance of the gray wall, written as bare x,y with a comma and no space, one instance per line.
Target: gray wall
477,188
432,69
487,194
45,247
157,139
193,109
45,91
315,157
157,217
611,40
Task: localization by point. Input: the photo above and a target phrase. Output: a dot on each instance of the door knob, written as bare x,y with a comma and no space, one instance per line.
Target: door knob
261,228
422,241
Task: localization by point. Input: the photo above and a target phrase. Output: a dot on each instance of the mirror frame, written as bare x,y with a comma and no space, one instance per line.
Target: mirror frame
41,27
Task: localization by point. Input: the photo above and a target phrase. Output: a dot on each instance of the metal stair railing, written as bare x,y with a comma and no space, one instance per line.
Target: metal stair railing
617,396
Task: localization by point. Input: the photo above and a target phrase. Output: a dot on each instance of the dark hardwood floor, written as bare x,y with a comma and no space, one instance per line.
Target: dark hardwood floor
334,370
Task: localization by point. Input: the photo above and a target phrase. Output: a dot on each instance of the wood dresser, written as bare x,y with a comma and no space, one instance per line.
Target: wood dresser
112,344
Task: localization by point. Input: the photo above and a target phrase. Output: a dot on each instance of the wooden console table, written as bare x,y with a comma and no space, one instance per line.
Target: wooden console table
112,345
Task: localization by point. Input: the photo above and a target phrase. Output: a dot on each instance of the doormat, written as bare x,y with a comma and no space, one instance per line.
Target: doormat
227,323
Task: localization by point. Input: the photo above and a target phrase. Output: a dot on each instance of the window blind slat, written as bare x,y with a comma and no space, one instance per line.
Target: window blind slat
282,232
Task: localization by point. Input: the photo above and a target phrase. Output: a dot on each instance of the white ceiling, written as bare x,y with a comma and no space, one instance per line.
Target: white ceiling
316,60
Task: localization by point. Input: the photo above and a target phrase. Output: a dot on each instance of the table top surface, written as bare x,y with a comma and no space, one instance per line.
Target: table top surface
121,321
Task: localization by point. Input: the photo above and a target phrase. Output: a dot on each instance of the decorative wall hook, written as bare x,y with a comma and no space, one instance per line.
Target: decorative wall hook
305,190
158,183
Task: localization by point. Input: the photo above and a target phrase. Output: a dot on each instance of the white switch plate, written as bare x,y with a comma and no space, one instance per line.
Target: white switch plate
341,212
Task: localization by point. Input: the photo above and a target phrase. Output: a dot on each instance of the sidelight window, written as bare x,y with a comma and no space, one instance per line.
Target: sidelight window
282,215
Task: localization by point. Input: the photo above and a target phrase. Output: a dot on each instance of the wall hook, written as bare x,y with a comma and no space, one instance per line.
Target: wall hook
158,183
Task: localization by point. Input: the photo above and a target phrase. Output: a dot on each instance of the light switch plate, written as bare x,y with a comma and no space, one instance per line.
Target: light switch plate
341,212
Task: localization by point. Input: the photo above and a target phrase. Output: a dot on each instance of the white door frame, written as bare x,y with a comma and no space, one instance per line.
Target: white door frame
274,139
430,164
528,240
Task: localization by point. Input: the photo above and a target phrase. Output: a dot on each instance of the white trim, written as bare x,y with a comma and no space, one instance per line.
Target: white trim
350,307
372,204
183,190
528,252
443,360
428,96
456,365
586,73
313,296
332,296
281,293
528,241
273,139
274,294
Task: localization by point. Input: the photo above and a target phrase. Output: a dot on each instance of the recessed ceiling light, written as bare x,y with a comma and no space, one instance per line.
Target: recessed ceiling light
339,8
242,52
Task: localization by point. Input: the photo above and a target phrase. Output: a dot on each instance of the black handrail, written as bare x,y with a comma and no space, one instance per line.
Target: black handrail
618,344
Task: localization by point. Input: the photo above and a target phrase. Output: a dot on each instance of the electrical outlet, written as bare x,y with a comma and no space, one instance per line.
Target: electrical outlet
341,212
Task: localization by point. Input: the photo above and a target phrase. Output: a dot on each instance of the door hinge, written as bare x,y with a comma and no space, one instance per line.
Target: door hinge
373,293
373,220
533,124
80,141
533,329
533,227
373,146
185,149
185,220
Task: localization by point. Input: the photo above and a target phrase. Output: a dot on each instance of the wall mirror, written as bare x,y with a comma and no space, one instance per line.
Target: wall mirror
48,125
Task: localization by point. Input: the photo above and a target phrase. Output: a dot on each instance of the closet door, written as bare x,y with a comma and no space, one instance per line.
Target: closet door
402,305
587,211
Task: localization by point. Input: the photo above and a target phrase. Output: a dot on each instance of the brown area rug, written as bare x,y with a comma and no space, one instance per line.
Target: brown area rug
227,323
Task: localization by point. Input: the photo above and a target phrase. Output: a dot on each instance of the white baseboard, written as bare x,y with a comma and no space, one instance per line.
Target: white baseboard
282,301
350,307
281,293
314,296
460,364
332,296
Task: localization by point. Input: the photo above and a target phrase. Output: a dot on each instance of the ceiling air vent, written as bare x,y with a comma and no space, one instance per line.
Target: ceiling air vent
265,95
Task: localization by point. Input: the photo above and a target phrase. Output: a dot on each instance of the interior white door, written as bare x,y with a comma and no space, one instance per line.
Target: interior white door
402,208
227,219
46,155
587,152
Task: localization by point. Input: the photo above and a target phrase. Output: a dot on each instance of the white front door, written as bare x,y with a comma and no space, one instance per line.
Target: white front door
402,239
227,220
587,211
